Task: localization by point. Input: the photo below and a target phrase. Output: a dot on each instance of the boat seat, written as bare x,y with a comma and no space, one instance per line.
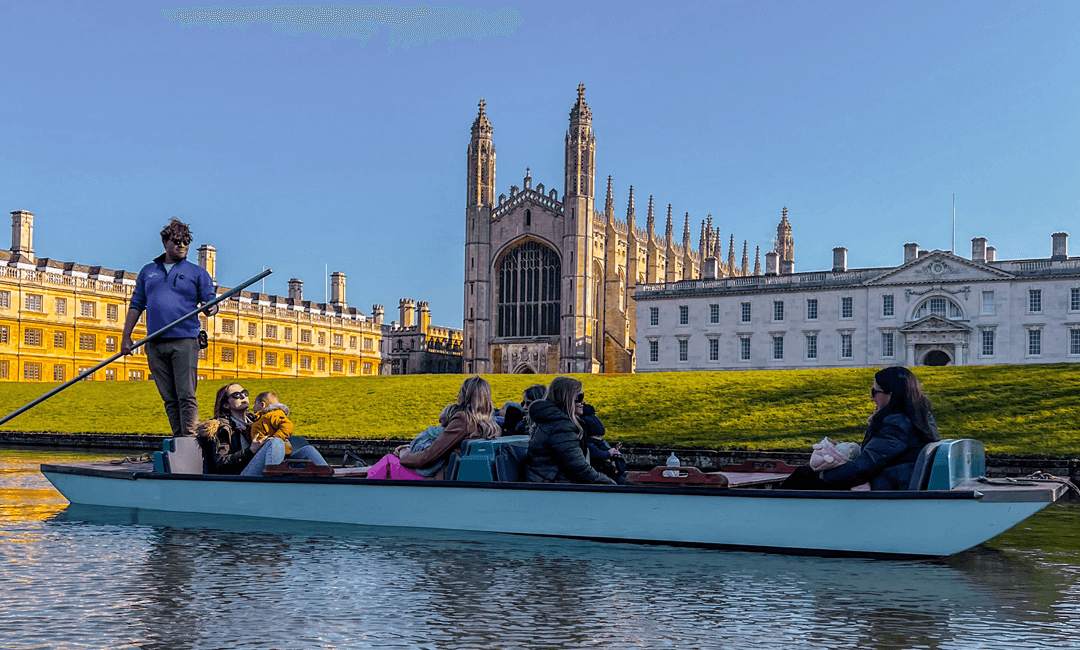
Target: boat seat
478,464
920,477
509,460
956,461
181,456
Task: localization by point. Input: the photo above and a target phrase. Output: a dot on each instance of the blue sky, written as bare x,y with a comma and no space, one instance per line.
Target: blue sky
295,151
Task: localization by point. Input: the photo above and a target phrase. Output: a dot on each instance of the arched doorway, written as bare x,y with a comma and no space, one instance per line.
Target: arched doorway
524,369
937,358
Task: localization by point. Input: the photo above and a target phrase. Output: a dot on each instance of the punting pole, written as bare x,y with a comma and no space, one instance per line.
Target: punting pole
225,296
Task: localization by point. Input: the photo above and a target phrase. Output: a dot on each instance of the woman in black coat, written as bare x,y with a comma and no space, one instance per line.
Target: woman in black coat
556,453
902,424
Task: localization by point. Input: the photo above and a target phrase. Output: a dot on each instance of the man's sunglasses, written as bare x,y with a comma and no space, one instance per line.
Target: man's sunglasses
239,394
180,242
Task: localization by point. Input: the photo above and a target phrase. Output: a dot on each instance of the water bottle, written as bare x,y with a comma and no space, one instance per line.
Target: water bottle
672,461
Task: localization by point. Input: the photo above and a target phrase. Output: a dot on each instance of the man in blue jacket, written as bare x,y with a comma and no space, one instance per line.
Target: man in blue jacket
166,289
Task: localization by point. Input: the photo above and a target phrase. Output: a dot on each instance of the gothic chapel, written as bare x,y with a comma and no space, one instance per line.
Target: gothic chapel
549,282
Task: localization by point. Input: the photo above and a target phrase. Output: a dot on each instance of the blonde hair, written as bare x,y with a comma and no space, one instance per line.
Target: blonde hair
262,400
474,399
561,393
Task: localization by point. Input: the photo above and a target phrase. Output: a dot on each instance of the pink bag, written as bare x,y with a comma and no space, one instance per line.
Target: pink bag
389,466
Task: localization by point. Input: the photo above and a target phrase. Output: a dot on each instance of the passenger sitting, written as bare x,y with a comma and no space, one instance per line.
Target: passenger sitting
427,437
512,415
473,417
557,447
531,394
271,420
902,424
602,456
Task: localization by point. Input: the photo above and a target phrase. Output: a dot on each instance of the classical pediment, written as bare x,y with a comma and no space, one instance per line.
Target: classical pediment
940,266
934,323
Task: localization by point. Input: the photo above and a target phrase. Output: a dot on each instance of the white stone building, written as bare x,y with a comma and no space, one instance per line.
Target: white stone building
937,308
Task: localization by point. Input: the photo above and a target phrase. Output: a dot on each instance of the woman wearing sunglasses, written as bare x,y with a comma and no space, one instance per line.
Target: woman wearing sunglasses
557,448
902,424
224,438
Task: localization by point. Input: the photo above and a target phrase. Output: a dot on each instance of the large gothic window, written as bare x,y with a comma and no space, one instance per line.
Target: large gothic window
529,279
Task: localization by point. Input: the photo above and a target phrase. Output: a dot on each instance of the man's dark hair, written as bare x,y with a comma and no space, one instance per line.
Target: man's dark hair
176,230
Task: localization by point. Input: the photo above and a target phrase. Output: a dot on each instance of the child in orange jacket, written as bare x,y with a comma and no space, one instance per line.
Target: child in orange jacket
271,420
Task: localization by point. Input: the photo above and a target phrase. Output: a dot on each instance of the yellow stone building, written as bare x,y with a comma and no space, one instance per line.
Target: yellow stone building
60,318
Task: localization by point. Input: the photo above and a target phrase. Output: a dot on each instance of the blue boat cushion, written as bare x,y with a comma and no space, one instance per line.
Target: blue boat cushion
955,461
508,462
921,474
183,456
479,463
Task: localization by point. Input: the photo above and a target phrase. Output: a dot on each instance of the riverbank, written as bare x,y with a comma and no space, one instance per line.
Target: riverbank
637,455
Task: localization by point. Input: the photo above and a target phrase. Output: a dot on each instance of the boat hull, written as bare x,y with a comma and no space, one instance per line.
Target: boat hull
930,524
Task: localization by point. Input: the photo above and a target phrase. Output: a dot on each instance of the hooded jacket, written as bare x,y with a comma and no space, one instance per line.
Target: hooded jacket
273,422
888,456
222,447
555,449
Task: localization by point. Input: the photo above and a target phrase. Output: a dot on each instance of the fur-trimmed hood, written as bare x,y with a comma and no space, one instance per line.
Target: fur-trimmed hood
274,407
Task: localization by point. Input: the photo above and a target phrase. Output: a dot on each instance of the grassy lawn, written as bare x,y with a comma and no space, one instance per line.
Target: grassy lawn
1031,409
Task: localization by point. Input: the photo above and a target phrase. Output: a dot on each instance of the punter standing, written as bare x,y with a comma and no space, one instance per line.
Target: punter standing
166,289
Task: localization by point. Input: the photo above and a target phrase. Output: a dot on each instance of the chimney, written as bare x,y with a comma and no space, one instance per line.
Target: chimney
991,254
711,268
1060,250
208,260
978,249
787,267
425,315
911,252
296,290
772,263
839,259
337,289
377,313
406,306
22,233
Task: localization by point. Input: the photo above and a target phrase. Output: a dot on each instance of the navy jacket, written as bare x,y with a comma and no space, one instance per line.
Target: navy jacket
887,460
168,296
555,453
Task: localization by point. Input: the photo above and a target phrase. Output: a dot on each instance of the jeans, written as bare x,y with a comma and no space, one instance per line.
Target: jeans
273,453
174,363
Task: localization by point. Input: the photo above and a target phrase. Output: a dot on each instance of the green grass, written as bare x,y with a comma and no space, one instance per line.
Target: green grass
1013,409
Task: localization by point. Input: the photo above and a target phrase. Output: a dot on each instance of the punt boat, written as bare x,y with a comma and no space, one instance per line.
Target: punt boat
949,507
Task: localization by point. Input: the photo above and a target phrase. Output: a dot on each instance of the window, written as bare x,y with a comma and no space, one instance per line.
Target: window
58,339
33,303
684,315
61,306
305,336
32,371
3,334
253,329
251,358
5,301
367,367
87,342
321,363
352,367
228,326
1074,299
778,311
58,373
988,302
1034,343
135,375
684,349
288,333
322,338
87,309
654,316
778,348
227,355
887,306
744,348
339,340
1035,301
3,369
811,346
887,345
110,374
744,315
1074,341
352,343
845,345
988,343
202,354
654,351
270,359
714,314
942,307
811,309
270,331
845,308
110,344
112,312
367,343
286,361
528,293
338,365
32,337
714,349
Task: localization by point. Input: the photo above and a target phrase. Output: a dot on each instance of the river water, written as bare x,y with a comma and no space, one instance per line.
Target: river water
76,577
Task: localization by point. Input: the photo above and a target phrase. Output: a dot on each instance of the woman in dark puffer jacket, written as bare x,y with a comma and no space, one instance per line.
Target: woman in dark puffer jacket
556,450
902,424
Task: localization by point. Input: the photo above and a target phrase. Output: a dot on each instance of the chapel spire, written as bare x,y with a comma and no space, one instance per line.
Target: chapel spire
480,161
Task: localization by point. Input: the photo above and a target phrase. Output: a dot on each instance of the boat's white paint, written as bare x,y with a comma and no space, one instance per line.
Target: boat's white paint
930,527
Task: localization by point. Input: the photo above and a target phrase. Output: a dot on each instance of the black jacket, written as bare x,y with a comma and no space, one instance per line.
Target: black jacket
225,453
887,459
555,450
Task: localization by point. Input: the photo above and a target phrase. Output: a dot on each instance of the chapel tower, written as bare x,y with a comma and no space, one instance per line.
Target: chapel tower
785,245
578,335
480,196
